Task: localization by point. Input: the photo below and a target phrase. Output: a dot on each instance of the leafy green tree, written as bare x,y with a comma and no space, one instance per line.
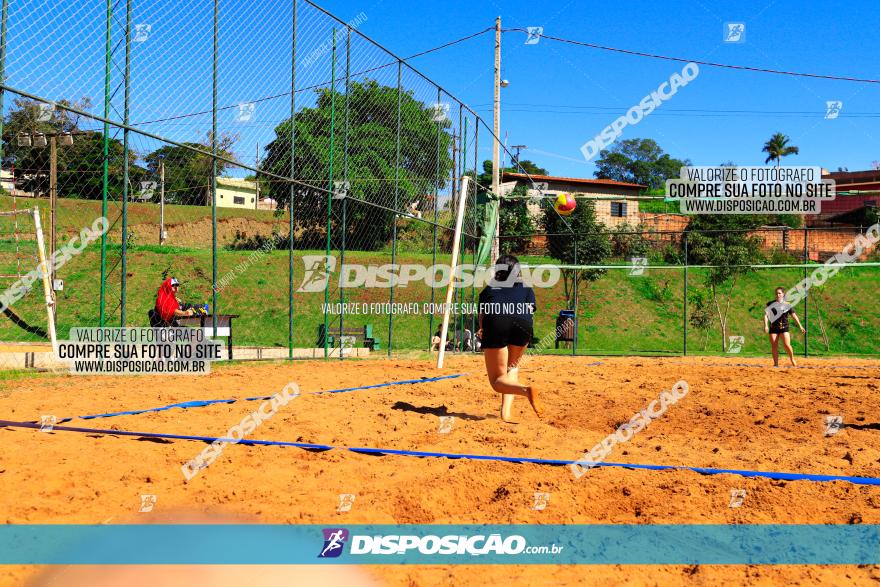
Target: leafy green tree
187,172
640,161
516,224
372,134
777,148
576,239
80,165
724,242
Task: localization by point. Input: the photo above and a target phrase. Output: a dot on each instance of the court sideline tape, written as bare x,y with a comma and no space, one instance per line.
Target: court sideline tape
210,402
421,454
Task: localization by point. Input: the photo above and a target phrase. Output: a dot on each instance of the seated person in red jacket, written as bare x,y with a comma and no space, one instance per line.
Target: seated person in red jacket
168,307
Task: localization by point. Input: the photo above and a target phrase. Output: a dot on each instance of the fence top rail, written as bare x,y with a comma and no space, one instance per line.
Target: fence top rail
630,266
808,229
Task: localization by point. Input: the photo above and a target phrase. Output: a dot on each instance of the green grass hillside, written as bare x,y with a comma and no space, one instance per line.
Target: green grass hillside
619,313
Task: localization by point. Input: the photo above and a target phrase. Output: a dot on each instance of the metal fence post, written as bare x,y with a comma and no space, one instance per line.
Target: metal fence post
684,319
214,171
106,162
396,206
436,213
330,193
806,295
347,186
125,164
292,186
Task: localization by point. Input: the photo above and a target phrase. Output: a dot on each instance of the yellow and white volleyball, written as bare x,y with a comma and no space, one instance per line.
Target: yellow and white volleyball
565,204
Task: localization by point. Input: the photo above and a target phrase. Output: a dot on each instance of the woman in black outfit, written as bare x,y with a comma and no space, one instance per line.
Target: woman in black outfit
778,328
505,312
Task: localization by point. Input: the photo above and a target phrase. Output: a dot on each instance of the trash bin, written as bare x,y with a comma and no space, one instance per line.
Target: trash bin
566,326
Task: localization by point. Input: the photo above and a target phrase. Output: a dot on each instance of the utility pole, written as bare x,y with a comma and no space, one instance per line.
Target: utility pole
53,200
257,166
515,162
454,171
161,202
496,146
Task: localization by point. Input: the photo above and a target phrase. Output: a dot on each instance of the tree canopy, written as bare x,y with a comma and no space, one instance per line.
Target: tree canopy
640,161
370,160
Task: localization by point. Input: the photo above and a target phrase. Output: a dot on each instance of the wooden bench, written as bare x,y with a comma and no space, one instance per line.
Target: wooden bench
362,335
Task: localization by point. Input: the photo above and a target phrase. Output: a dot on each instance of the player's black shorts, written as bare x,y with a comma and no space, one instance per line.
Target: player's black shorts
778,330
500,331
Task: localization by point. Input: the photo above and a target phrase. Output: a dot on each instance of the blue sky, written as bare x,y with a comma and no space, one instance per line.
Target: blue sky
559,97
549,105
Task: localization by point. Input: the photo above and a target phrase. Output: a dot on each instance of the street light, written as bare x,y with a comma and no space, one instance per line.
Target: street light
38,139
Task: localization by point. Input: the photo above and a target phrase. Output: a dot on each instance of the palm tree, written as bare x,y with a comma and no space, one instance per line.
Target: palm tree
777,148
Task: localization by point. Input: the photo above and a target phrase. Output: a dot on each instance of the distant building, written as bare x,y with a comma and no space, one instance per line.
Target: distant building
236,193
862,192
615,202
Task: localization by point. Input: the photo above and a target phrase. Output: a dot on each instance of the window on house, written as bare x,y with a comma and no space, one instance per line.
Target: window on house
238,200
618,209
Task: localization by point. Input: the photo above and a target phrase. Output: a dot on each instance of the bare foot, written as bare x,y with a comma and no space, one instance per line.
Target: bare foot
506,406
533,399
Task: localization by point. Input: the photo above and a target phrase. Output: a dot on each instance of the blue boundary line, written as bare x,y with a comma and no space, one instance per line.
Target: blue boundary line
210,402
473,457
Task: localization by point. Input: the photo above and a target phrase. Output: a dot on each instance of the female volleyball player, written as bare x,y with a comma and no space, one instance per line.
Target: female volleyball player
779,327
505,312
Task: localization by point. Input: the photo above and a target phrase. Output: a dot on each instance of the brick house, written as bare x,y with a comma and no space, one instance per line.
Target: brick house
863,191
615,201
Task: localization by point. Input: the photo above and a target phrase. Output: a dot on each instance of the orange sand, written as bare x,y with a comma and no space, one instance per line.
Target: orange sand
734,417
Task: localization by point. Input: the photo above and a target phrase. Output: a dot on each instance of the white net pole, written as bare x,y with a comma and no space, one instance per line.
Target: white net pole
450,290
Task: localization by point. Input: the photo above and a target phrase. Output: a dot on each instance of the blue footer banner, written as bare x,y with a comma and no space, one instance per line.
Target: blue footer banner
679,544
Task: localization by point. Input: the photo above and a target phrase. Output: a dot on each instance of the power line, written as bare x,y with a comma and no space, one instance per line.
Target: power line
318,85
689,111
699,62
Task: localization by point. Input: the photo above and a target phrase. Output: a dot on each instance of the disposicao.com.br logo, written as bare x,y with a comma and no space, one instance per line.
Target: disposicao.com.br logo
320,269
452,544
